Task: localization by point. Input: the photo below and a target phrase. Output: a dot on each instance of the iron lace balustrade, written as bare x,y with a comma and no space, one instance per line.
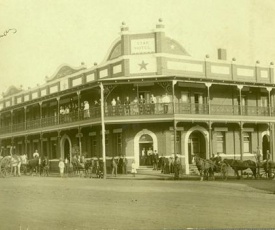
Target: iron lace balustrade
137,109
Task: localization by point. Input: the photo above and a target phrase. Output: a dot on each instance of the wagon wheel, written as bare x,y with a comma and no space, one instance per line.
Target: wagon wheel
5,166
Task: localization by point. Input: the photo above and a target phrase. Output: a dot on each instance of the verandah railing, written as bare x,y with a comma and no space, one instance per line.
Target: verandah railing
138,110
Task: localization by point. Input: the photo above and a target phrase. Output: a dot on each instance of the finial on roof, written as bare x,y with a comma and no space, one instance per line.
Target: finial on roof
271,63
82,63
123,27
257,62
233,59
95,63
207,56
160,24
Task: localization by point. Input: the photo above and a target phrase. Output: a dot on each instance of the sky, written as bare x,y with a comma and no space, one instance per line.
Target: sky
51,33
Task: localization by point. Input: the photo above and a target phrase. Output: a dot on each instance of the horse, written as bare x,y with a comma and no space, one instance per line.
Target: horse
238,165
33,164
44,167
220,167
77,166
205,167
16,162
88,167
268,167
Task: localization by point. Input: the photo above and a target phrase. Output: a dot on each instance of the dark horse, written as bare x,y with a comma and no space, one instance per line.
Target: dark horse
268,167
220,167
77,167
238,165
88,167
33,165
205,167
44,167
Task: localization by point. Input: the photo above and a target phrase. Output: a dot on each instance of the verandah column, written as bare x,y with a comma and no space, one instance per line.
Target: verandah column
240,98
174,82
79,135
41,144
210,138
208,85
103,129
241,140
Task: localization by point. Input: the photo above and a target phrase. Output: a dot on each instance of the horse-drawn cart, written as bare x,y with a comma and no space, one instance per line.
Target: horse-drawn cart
5,166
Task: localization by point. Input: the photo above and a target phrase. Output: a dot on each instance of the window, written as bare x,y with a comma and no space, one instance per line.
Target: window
178,142
118,144
94,144
220,137
246,142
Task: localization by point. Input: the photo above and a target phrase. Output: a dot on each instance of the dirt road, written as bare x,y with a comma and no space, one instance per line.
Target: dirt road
79,203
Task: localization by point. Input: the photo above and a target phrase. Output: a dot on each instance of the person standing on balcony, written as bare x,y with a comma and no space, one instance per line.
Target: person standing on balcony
66,112
135,106
141,104
127,106
61,113
118,106
113,103
153,101
86,109
165,101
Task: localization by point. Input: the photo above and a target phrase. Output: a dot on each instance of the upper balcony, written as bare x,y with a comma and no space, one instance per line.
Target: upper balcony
143,112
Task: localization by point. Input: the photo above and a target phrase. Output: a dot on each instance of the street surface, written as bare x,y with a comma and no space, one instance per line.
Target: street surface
125,203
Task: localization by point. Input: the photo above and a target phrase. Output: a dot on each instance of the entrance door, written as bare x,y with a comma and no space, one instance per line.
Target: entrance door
67,150
265,146
145,144
144,158
196,145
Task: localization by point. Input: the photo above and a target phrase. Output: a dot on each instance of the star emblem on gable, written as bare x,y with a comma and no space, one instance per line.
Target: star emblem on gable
143,65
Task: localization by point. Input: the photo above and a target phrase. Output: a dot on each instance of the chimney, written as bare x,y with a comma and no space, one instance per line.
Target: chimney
222,54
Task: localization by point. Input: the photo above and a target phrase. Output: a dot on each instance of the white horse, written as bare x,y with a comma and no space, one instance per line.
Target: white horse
16,162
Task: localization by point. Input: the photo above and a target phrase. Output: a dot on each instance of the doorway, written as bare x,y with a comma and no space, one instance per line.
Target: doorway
265,146
196,146
145,150
66,147
144,139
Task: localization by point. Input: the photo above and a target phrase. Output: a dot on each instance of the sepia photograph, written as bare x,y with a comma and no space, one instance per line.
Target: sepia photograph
137,115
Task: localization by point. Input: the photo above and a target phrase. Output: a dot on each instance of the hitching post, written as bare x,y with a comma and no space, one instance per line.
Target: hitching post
103,130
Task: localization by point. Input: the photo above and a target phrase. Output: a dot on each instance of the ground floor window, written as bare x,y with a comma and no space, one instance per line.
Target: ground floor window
246,142
118,144
220,138
93,146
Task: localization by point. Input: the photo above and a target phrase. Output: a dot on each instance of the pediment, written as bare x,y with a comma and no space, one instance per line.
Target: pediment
64,71
11,91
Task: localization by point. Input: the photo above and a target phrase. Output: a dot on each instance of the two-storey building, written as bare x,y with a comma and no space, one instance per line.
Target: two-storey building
155,96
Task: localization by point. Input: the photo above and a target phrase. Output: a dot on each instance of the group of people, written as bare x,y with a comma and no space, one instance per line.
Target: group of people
170,165
70,111
149,158
139,105
119,165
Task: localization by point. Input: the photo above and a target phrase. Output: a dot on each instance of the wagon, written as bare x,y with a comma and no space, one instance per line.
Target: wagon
5,166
